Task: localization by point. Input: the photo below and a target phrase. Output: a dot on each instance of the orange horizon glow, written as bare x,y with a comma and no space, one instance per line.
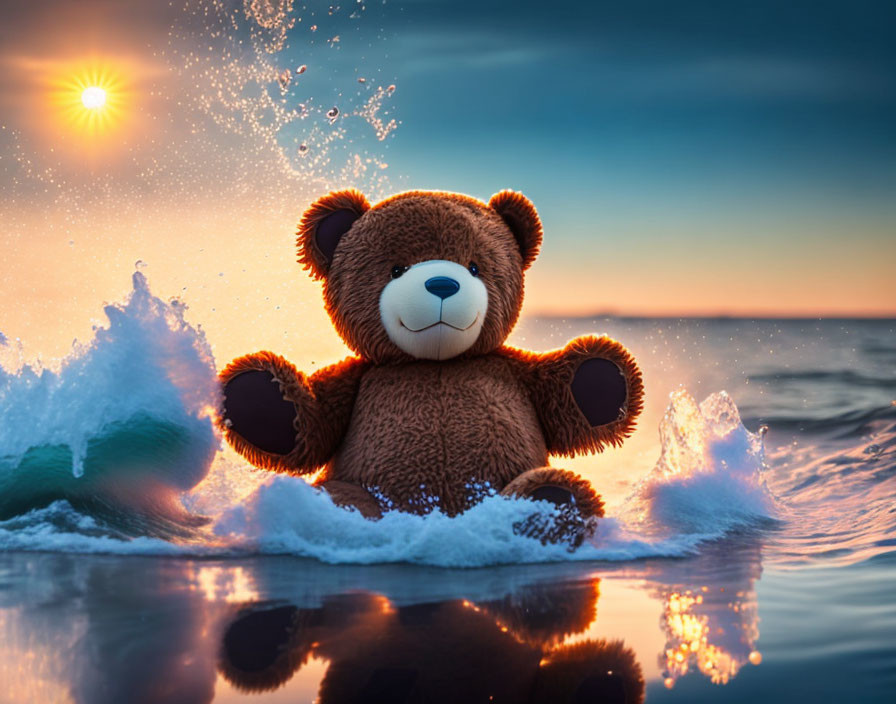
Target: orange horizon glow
214,260
653,285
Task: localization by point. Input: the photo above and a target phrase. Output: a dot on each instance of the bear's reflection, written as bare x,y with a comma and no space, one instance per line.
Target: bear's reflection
509,650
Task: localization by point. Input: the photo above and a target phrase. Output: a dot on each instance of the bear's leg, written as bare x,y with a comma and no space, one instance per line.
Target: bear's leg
352,496
263,647
578,506
589,671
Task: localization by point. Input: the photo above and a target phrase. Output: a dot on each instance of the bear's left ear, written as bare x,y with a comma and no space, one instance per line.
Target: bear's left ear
521,217
324,224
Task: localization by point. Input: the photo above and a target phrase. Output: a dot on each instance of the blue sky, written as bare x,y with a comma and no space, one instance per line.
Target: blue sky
738,125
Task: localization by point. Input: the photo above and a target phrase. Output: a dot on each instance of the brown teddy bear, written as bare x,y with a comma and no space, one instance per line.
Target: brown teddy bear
434,411
508,650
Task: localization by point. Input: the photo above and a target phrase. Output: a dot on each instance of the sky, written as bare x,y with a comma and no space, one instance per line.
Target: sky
688,158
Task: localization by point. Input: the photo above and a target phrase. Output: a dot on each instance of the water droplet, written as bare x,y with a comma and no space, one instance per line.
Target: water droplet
875,450
313,28
362,80
303,149
284,78
391,88
332,113
301,69
763,430
139,264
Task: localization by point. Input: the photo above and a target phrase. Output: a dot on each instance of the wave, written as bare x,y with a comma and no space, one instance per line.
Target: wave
126,421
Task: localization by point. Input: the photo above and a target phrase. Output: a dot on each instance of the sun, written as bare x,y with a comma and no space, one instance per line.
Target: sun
91,99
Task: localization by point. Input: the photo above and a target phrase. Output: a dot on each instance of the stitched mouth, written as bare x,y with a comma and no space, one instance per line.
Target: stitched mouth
440,322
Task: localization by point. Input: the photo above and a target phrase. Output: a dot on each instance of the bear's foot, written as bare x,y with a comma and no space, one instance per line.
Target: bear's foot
353,496
564,525
576,506
263,647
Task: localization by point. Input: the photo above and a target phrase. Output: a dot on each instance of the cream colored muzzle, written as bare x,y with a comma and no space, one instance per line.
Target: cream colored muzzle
434,310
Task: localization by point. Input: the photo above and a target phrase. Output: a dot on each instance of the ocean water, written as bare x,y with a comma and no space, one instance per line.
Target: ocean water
748,548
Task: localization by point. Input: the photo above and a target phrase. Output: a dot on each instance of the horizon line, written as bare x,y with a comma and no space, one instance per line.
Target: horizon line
716,316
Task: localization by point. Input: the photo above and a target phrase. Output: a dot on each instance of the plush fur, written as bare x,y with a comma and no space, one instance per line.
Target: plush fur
509,650
416,434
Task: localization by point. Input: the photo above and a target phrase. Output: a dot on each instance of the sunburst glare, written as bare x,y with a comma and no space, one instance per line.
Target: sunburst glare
91,100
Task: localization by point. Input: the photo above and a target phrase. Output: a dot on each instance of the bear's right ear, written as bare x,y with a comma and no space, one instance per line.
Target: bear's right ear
324,224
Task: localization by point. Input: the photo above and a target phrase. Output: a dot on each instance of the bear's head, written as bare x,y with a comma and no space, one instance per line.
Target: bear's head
423,274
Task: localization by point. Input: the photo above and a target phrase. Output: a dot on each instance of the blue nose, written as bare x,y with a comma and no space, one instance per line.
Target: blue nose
442,286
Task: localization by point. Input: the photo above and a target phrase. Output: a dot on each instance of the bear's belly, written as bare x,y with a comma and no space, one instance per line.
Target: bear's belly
439,429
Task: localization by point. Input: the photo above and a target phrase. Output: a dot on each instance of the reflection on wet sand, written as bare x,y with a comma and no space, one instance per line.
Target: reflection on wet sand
507,650
100,629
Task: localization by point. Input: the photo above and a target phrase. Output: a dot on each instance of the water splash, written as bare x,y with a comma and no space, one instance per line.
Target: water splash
370,112
709,477
146,379
236,57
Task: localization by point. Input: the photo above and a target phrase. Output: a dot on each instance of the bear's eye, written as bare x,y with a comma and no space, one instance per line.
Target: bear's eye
398,271
474,269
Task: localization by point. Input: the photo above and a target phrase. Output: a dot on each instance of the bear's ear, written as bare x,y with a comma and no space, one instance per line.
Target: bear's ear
518,212
324,224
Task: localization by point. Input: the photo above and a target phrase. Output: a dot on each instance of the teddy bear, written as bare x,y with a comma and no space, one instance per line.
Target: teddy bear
511,649
434,411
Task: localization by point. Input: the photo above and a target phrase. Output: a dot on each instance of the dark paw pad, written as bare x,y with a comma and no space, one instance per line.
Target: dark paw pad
598,388
255,409
557,495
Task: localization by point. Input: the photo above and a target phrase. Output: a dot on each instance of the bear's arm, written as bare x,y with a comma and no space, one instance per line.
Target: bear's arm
281,420
587,395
